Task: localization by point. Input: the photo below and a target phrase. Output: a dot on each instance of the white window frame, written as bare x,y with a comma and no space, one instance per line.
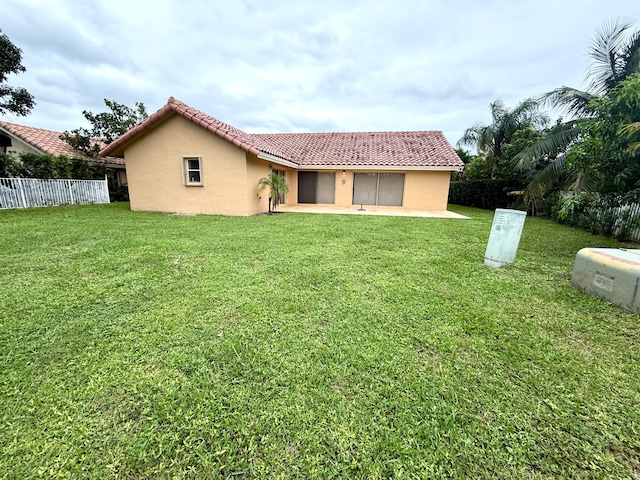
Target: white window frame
186,170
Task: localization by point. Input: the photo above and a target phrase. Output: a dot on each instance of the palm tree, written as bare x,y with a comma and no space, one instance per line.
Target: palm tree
615,57
490,139
277,186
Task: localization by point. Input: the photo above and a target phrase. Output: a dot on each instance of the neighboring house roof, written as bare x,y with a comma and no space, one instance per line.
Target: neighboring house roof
49,142
419,149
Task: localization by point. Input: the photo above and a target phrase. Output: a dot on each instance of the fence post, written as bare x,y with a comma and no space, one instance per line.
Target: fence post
21,188
70,192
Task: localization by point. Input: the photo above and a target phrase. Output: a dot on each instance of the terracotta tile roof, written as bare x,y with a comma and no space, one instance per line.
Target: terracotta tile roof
225,131
363,149
49,142
420,149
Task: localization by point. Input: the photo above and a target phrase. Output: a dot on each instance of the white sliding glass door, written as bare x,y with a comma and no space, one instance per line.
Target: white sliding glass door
384,189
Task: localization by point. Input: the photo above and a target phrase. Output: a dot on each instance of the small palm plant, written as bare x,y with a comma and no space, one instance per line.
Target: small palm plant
277,186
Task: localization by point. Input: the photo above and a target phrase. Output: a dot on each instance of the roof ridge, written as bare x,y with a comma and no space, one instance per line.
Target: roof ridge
29,127
394,132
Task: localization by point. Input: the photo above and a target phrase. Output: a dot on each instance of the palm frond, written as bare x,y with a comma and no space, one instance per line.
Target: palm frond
526,112
479,136
572,101
505,122
631,55
498,110
526,108
470,136
580,181
630,129
555,141
606,50
543,180
555,173
486,139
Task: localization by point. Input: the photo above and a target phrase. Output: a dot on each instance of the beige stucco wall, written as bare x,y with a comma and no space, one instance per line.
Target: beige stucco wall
292,183
423,190
154,171
426,190
256,169
344,188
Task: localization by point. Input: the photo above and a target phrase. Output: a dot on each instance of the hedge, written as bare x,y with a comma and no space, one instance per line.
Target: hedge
488,194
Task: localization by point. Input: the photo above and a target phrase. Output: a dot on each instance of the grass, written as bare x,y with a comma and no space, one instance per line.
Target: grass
144,345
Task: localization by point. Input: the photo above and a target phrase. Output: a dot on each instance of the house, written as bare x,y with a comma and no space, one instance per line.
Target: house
18,139
182,160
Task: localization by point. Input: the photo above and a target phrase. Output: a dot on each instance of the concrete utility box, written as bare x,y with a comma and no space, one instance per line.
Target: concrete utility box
609,273
504,237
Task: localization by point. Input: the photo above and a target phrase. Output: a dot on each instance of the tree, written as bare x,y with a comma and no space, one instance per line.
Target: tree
628,95
601,159
489,140
630,130
615,58
12,99
465,155
105,127
276,184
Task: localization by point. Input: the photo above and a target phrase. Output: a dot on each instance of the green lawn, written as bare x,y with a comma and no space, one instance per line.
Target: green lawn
144,345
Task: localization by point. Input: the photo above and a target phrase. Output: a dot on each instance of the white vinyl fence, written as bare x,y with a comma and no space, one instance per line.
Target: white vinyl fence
37,192
621,221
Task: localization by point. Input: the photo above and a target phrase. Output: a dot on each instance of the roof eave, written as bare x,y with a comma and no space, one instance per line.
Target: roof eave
275,159
395,168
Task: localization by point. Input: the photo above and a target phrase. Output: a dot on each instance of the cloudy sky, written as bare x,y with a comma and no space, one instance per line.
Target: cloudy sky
299,66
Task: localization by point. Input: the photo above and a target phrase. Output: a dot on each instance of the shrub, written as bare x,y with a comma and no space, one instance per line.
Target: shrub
610,215
8,166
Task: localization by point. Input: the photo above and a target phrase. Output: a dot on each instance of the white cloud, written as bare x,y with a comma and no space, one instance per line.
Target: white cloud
272,65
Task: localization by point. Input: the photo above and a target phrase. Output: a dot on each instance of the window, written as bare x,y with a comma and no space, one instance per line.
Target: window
4,143
192,170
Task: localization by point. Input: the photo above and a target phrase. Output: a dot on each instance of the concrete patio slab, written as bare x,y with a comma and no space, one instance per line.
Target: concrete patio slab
368,210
